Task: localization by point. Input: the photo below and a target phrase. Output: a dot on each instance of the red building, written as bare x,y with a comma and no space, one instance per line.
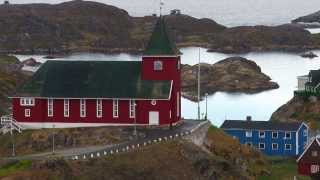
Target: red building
309,161
105,93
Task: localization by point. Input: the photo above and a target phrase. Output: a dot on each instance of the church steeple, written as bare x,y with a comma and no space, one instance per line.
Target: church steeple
160,42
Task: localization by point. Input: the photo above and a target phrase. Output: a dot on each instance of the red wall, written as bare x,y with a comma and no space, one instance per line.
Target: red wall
170,72
304,168
39,112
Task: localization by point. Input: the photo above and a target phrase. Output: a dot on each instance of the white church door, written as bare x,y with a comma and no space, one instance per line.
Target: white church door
153,118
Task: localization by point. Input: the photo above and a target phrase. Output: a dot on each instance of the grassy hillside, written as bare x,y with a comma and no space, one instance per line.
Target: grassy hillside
221,157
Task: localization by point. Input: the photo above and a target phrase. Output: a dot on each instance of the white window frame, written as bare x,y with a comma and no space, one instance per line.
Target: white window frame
115,108
276,145
50,107
99,108
158,65
132,108
27,101
248,133
178,104
262,136
314,168
66,107
83,112
264,145
27,113
288,149
285,135
275,132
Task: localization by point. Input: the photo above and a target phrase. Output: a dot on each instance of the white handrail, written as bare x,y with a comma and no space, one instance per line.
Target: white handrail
11,123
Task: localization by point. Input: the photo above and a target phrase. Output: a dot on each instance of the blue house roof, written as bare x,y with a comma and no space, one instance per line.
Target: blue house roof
261,125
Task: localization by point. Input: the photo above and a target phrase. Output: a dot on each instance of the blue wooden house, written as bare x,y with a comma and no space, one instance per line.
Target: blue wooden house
272,138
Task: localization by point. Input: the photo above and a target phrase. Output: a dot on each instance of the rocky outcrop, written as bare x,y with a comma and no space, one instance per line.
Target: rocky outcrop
262,38
30,62
11,77
311,18
298,109
309,54
234,74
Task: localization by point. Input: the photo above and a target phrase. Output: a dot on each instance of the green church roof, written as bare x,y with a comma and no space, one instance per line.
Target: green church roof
93,79
160,42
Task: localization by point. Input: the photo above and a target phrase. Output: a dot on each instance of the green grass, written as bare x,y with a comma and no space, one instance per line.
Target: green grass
283,169
14,167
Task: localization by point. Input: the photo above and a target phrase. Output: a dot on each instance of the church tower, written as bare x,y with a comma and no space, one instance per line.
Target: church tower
161,61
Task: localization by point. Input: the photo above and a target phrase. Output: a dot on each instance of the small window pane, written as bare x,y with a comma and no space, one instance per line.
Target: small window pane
157,65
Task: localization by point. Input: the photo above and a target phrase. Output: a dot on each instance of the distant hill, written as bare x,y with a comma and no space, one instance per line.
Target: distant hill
84,25
92,26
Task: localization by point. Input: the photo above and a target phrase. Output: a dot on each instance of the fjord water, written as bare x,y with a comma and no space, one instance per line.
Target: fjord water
283,68
226,12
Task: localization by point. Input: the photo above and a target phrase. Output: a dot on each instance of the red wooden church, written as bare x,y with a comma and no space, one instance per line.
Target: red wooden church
105,93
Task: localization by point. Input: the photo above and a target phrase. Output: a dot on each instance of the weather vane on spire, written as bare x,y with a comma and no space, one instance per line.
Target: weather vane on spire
161,5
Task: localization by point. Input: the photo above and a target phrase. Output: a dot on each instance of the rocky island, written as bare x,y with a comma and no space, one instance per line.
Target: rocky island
235,74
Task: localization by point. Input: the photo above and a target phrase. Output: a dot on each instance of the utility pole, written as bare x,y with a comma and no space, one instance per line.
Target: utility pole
199,86
12,139
53,126
135,121
206,116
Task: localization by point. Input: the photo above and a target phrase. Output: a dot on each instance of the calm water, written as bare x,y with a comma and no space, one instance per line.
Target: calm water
227,12
281,67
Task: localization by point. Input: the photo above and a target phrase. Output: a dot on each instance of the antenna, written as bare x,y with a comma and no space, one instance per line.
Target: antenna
161,4
199,85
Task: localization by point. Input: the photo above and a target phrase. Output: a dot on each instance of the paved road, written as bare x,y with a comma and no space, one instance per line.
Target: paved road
151,134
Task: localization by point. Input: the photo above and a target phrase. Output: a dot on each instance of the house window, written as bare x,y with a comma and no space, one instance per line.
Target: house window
262,134
314,153
274,146
27,101
82,108
50,107
157,66
305,132
66,108
27,113
314,168
248,133
274,135
99,108
115,108
287,135
178,104
132,108
287,147
249,144
262,145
